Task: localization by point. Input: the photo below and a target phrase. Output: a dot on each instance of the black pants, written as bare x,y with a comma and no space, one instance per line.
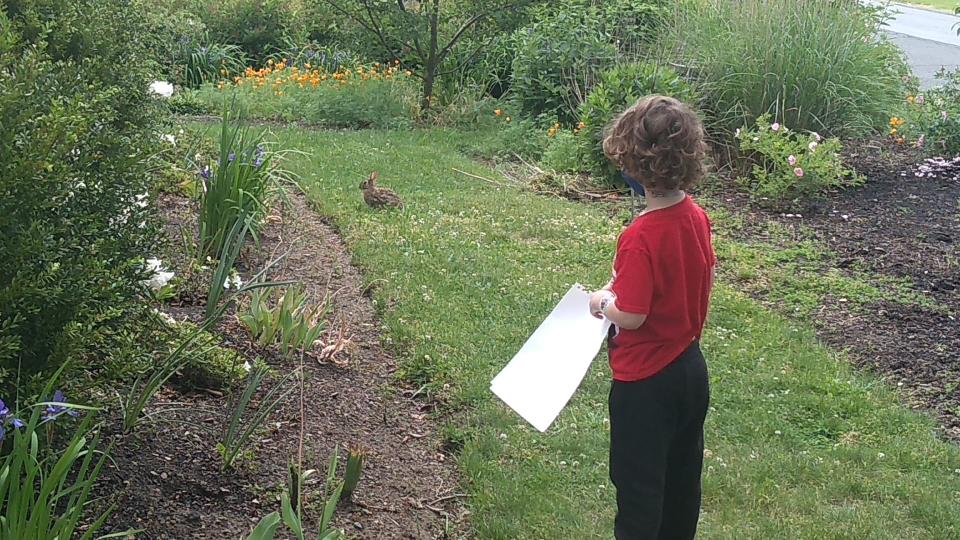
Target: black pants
656,449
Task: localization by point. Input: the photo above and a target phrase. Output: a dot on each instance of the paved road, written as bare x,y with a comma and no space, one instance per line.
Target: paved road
928,39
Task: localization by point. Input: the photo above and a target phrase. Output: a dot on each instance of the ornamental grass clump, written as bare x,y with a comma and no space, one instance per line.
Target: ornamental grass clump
817,66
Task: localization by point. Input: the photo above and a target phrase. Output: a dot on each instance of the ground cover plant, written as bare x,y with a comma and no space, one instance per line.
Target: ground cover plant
811,451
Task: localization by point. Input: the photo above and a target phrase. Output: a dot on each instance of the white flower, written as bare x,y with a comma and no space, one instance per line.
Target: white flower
161,88
737,133
165,317
775,126
233,281
817,136
158,277
813,146
169,138
141,200
247,366
411,5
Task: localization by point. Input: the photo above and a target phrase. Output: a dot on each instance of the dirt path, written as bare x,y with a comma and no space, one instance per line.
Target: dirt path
169,472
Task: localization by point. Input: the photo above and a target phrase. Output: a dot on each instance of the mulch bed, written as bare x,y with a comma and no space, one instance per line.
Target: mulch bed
897,225
167,476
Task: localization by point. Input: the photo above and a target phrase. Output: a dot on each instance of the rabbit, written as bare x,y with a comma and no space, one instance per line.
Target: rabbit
376,197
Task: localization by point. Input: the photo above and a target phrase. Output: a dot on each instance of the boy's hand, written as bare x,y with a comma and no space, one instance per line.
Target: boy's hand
595,300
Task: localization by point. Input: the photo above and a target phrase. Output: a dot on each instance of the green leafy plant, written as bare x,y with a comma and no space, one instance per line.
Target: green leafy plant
236,186
291,506
199,341
931,120
45,490
619,88
283,318
560,55
356,457
817,66
238,433
789,164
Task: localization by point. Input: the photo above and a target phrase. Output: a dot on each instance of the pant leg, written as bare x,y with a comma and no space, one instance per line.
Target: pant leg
643,421
682,491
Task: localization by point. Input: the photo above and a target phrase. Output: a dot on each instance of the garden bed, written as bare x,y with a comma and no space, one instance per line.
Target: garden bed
898,226
168,474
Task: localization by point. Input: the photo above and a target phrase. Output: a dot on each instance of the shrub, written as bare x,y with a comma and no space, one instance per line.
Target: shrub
360,97
790,163
619,88
557,57
79,129
931,120
258,27
816,66
563,153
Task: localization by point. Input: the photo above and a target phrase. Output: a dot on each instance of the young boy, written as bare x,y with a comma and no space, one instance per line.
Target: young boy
657,301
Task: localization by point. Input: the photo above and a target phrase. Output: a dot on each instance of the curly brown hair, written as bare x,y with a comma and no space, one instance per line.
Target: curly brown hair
659,142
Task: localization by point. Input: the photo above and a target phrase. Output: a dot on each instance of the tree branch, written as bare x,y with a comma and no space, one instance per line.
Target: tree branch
373,28
456,37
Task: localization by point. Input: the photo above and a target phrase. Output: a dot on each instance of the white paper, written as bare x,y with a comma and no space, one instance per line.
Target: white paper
550,366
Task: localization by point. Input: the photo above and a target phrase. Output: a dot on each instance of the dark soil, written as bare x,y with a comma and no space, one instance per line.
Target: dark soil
902,226
167,476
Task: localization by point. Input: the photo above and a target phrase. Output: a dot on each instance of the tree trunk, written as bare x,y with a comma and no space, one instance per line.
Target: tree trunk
433,60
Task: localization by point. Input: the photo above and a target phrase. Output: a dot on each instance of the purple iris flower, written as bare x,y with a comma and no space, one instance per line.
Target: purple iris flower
54,411
6,418
232,157
205,173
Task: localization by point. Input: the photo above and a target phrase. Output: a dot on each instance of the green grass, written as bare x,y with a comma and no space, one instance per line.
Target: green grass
788,267
939,5
801,445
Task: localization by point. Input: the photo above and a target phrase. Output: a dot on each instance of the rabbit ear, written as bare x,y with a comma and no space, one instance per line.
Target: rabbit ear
374,175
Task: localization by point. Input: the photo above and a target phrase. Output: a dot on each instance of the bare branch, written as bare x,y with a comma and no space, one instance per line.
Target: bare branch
457,36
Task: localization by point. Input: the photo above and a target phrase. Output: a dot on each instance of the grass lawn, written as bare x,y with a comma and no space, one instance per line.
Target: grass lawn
800,445
939,5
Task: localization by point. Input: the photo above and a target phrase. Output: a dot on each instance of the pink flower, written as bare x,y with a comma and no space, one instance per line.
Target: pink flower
817,136
799,172
921,141
944,115
775,126
812,146
792,160
920,99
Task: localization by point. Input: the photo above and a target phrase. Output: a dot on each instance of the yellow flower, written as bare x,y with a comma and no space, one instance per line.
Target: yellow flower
408,73
308,66
911,99
508,119
270,62
893,131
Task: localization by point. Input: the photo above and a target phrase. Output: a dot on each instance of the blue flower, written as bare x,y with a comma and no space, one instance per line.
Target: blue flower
232,157
54,411
7,419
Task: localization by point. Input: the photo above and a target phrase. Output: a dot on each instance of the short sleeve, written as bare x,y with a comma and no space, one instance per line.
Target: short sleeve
633,283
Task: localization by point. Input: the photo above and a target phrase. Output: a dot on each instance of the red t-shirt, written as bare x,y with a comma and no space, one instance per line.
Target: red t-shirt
664,270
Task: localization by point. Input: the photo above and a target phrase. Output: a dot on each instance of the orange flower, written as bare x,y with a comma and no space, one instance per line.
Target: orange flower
498,112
